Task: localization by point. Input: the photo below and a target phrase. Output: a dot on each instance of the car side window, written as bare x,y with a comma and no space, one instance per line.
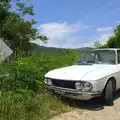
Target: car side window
118,53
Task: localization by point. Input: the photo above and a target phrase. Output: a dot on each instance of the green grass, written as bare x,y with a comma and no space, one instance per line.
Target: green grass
17,106
50,105
23,95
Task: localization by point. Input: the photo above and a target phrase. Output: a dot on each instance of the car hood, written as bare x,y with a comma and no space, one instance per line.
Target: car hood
75,72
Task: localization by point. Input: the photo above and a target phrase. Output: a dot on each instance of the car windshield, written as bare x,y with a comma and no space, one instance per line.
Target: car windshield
98,57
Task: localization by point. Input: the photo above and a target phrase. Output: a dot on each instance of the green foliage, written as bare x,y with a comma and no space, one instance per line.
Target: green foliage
37,49
13,105
114,41
97,44
45,105
14,27
26,105
24,9
23,95
21,76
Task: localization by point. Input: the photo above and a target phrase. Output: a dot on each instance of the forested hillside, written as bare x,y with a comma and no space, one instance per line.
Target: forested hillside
37,49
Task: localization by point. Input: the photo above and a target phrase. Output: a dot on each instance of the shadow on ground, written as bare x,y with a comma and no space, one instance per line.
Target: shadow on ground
95,104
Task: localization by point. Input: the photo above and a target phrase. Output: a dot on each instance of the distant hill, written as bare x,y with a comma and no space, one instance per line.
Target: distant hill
84,49
36,49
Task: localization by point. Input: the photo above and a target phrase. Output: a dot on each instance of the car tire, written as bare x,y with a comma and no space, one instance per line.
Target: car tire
109,93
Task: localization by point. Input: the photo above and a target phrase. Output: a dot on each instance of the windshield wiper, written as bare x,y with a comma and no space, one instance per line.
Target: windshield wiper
98,63
84,63
90,62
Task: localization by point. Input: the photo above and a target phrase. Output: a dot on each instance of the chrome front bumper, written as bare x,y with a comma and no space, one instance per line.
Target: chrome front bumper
75,94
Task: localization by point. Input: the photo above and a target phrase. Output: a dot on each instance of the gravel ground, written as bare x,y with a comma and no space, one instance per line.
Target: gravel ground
93,110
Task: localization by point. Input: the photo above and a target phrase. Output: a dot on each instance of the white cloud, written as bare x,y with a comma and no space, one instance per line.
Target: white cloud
62,34
58,31
102,39
104,29
77,41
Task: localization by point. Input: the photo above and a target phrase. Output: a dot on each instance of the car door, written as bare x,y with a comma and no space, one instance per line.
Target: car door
118,70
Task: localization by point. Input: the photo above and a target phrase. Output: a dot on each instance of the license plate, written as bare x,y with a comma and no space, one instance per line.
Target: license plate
60,92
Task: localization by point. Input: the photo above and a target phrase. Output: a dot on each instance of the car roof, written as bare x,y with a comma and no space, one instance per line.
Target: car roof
108,49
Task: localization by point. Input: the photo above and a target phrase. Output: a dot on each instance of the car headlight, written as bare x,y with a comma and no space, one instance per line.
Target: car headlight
45,80
48,81
78,86
87,86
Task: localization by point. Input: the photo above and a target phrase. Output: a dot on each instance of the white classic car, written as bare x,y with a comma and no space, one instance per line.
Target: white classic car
97,73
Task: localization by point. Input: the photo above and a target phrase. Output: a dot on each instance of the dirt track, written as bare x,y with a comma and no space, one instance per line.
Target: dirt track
93,110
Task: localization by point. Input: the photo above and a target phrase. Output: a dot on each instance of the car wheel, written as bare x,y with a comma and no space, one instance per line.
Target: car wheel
109,93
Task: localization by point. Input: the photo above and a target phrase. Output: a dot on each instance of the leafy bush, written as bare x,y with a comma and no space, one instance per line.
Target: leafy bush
23,95
22,75
26,105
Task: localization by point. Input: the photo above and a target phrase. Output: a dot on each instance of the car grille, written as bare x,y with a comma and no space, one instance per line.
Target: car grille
63,83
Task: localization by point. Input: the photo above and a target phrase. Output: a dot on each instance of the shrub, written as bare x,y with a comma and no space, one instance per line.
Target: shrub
22,75
23,95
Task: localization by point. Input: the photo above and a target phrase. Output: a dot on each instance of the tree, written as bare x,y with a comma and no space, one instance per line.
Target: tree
14,27
96,44
114,41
